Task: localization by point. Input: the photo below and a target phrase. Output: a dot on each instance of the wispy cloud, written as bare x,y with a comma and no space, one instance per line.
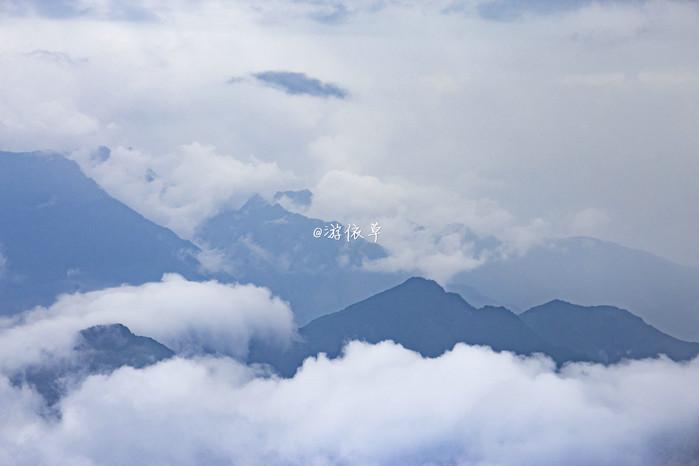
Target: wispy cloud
56,57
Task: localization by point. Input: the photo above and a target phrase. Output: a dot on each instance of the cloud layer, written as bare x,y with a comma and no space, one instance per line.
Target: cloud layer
379,404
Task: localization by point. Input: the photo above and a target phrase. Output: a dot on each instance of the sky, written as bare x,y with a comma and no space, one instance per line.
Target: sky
517,119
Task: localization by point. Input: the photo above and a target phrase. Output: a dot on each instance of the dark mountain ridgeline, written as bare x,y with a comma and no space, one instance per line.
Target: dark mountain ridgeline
604,334
420,315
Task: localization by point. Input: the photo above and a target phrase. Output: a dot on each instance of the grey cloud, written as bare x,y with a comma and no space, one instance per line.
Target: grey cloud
121,10
509,10
334,14
295,83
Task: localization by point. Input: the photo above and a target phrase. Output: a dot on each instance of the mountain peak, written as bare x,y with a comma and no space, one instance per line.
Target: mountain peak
421,282
558,302
562,305
255,201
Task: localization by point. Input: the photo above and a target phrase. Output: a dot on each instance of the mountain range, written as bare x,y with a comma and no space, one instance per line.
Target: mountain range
61,233
420,315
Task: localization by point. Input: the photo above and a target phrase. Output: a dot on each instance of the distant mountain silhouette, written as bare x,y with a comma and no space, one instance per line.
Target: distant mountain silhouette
100,349
60,232
590,271
604,334
419,315
265,244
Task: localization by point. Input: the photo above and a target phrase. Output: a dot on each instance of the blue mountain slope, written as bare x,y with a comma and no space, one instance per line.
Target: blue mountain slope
60,232
590,271
265,244
604,334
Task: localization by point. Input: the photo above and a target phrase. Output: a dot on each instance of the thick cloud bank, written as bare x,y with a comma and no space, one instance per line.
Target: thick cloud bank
185,316
379,404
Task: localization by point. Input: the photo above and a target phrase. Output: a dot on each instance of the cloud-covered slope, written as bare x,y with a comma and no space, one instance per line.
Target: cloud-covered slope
99,349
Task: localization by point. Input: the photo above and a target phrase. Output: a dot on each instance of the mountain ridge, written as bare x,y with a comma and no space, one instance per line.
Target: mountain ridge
422,316
62,233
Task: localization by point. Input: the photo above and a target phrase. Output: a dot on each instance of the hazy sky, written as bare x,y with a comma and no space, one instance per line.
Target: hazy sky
519,121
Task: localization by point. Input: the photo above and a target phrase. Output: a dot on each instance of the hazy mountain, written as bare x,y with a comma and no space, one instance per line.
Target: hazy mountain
99,350
604,334
590,271
60,232
420,315
265,244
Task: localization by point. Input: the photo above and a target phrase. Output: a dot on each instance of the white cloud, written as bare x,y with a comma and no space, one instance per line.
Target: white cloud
380,404
183,315
182,188
425,229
